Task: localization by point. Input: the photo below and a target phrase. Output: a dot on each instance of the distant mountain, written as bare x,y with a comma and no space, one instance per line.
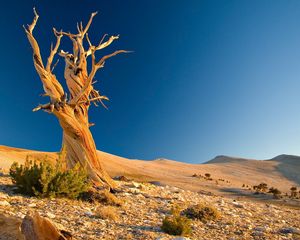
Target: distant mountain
226,159
285,158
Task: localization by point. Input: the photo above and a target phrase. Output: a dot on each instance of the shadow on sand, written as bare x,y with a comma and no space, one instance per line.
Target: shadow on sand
289,167
241,194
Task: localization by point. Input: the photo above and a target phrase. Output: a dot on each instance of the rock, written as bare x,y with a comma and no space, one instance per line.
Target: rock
135,185
180,238
35,227
122,178
3,196
258,233
259,229
9,228
88,213
32,205
50,215
288,230
237,205
4,203
176,238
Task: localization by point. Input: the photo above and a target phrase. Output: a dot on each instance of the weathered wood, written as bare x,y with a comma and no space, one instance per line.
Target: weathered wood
72,113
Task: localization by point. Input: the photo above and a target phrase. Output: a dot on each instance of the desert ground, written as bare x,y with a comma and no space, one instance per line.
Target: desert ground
153,187
281,172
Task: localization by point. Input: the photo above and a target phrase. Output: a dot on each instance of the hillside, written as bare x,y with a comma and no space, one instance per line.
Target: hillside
280,172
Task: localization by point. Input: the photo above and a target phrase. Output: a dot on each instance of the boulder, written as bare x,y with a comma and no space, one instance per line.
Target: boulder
10,228
35,227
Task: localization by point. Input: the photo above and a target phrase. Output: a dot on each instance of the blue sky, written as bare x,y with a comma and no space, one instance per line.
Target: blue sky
206,77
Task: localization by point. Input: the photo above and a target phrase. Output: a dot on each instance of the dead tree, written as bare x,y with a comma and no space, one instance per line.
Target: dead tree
72,111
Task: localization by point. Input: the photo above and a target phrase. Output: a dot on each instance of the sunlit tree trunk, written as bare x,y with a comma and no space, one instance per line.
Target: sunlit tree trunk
72,112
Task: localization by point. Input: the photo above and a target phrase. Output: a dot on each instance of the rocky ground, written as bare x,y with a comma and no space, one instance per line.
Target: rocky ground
145,205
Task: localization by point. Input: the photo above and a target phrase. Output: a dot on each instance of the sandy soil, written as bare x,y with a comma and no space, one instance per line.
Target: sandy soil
281,172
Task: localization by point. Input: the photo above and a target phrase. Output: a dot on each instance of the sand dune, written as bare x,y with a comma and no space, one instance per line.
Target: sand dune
281,172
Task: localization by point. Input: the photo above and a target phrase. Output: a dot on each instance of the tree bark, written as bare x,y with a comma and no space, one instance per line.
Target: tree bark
79,143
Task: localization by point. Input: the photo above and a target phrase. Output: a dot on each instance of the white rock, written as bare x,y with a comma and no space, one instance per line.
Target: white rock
135,184
32,205
50,215
238,205
20,215
4,203
88,213
3,196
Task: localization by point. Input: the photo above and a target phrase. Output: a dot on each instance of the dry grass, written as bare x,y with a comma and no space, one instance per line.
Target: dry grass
175,224
108,198
107,212
203,212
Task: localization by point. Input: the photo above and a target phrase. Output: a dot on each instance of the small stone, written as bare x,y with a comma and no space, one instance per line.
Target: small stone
20,215
88,213
238,205
50,215
3,196
258,234
4,203
289,230
259,229
180,238
32,205
135,184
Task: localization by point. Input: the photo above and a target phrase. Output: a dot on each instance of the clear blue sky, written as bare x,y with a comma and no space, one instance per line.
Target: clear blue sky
205,78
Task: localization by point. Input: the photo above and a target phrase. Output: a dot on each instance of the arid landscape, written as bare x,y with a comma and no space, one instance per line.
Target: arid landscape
281,172
149,189
184,80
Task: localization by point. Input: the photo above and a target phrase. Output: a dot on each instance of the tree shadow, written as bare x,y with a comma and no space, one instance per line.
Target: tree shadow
9,188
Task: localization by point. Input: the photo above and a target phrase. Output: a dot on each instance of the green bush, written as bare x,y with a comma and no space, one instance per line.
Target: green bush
175,224
202,212
45,180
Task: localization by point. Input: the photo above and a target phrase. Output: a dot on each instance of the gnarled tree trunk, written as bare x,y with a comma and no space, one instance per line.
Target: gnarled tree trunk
72,113
80,146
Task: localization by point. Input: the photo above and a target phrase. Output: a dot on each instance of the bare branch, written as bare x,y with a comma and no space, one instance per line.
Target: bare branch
102,45
53,50
50,84
52,69
88,24
95,67
95,99
103,59
35,19
48,107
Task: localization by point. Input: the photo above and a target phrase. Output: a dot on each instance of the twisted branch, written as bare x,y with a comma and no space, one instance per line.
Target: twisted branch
51,86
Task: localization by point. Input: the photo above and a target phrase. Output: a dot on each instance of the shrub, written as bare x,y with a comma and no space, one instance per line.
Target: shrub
175,224
107,212
46,180
202,212
207,175
293,192
276,193
262,187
